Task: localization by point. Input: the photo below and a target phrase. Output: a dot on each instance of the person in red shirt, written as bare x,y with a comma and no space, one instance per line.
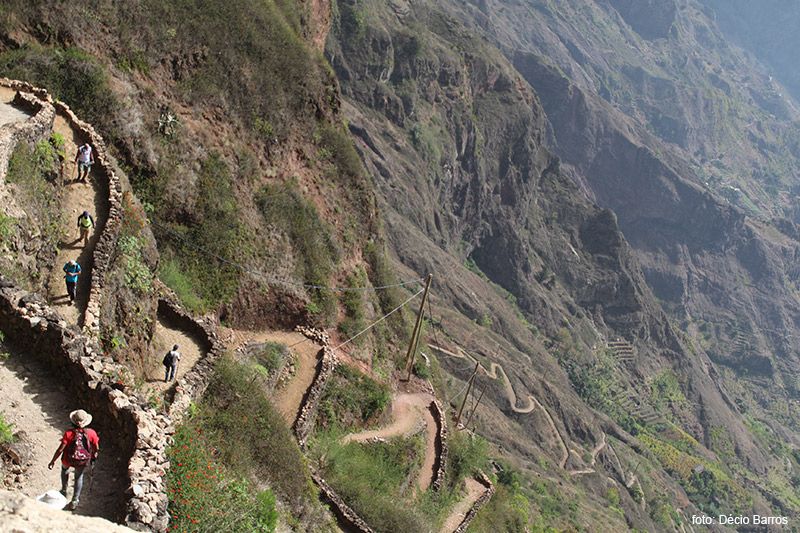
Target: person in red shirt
78,448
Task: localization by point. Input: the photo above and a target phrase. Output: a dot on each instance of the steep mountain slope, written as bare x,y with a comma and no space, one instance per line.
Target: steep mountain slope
602,190
456,141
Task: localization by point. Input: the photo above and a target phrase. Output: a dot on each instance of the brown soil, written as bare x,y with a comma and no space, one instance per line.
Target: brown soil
460,510
288,398
78,197
32,400
409,413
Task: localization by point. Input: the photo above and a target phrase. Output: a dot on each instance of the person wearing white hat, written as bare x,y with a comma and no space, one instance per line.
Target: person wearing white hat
78,448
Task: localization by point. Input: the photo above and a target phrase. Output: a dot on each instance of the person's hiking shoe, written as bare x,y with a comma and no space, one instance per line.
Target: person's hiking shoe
71,506
63,492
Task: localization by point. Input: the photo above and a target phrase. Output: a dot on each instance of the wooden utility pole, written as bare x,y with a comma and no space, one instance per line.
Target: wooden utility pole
466,394
412,346
469,418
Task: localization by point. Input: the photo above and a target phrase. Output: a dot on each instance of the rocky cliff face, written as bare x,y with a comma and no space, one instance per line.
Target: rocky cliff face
460,110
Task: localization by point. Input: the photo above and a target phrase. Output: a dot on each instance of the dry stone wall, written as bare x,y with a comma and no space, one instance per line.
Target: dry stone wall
440,465
139,432
479,503
40,127
344,513
308,410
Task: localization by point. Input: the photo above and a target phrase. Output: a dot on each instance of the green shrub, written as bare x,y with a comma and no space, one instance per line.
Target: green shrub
352,399
6,431
507,512
205,494
7,227
137,274
271,355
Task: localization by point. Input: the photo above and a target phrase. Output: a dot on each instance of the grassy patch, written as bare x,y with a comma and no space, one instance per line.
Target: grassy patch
170,272
353,303
203,249
374,478
285,209
352,400
32,172
70,74
467,455
205,493
232,412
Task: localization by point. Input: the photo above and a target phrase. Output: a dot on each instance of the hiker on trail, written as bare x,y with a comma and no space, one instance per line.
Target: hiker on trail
71,272
85,222
170,363
84,159
78,449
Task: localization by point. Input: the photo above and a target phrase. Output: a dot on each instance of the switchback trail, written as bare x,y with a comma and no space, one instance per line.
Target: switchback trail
287,399
167,336
36,402
474,490
493,372
409,412
78,197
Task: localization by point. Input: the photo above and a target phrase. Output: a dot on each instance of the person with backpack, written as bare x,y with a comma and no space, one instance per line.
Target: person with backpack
170,363
78,449
71,272
84,159
85,222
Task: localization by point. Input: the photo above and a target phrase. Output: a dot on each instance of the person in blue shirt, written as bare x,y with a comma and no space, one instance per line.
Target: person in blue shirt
71,272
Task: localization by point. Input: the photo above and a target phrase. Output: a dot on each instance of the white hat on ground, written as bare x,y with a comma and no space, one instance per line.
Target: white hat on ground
53,498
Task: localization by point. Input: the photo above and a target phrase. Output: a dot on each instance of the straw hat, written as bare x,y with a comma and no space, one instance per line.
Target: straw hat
80,418
53,498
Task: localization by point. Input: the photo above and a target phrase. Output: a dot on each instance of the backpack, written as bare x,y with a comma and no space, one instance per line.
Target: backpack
169,359
78,453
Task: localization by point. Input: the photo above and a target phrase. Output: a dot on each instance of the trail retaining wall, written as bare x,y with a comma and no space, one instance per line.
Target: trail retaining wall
440,464
140,433
479,503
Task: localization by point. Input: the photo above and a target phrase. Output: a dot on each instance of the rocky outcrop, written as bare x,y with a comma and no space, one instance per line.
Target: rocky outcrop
99,384
21,514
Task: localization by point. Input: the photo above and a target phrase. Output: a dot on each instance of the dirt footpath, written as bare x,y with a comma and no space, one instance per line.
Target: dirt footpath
78,197
36,403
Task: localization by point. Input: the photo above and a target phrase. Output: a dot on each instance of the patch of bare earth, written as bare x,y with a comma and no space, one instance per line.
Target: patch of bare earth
474,490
